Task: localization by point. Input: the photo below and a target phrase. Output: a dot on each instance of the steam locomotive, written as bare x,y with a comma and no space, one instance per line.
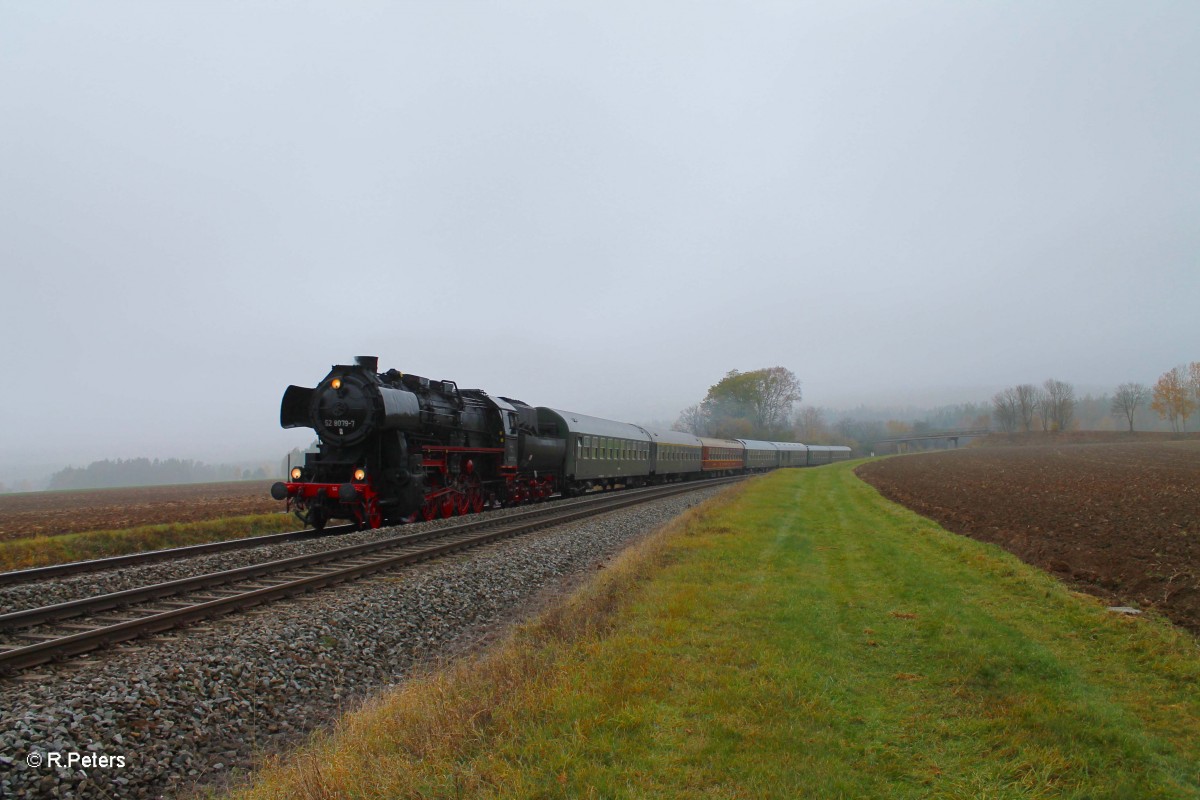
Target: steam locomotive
395,447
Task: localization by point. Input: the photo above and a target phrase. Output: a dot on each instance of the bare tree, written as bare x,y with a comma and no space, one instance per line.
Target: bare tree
1006,409
810,425
1043,408
1059,404
1027,404
691,420
1127,399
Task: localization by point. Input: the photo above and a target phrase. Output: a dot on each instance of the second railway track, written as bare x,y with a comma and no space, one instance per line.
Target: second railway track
53,633
35,574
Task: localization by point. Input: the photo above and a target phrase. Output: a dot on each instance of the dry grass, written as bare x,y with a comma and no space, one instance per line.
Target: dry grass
41,551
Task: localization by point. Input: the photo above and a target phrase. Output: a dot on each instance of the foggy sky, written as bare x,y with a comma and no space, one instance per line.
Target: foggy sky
600,207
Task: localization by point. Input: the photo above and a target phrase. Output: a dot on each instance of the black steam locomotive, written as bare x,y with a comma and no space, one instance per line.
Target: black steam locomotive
396,447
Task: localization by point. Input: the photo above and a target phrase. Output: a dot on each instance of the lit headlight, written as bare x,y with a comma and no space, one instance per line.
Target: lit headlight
296,473
336,383
360,474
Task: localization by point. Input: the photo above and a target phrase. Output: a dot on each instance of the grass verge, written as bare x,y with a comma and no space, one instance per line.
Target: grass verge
41,551
802,638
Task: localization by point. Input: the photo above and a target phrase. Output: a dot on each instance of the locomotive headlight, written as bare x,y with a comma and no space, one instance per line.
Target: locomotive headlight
360,474
296,473
336,383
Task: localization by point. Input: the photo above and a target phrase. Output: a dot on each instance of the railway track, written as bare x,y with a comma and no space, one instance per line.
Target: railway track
134,559
53,633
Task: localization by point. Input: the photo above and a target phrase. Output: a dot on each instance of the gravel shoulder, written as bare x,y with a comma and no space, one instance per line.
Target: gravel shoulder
202,707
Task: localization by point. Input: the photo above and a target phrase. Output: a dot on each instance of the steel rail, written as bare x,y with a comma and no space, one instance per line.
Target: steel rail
167,554
457,537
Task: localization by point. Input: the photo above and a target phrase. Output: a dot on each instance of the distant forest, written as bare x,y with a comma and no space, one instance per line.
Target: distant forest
144,472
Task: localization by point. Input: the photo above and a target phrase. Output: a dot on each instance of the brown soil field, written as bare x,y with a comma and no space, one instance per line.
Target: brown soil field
1121,521
55,513
1042,438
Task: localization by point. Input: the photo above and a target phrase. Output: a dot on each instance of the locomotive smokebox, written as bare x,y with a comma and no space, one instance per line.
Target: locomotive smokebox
369,363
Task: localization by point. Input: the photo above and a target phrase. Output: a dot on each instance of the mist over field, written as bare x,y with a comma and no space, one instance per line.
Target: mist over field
603,209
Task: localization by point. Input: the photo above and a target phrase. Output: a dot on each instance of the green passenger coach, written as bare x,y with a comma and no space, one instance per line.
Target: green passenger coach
599,449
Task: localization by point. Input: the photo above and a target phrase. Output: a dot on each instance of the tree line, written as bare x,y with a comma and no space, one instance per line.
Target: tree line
1051,406
765,404
110,474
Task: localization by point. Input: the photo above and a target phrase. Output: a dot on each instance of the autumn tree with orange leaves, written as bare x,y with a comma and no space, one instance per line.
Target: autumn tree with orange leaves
1176,393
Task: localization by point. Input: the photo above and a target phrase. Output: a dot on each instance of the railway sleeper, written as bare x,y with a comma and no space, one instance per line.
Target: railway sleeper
76,626
41,637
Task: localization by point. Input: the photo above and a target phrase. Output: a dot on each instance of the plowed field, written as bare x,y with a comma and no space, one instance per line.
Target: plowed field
54,513
1121,521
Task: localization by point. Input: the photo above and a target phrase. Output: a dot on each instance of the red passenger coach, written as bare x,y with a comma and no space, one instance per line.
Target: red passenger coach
718,455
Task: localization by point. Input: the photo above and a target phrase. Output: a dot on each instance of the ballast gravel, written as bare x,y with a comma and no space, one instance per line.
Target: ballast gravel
203,705
19,597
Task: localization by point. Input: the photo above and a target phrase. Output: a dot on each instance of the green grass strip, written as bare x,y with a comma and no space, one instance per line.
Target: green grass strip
806,639
41,551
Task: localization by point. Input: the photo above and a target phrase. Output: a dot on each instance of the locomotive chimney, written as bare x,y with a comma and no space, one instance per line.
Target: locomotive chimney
369,363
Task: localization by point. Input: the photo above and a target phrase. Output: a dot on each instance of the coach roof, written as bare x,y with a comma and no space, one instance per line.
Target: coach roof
571,422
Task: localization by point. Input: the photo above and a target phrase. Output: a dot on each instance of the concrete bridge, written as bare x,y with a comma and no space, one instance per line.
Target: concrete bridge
902,442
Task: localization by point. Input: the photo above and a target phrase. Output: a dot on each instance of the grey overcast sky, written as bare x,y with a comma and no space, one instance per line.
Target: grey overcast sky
596,206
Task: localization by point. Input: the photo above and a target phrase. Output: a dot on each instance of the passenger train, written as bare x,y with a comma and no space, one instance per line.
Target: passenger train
395,448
